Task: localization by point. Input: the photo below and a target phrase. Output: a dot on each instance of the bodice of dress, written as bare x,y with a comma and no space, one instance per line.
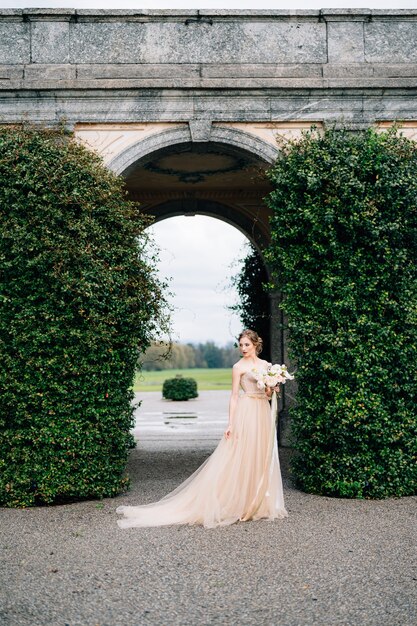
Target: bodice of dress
248,384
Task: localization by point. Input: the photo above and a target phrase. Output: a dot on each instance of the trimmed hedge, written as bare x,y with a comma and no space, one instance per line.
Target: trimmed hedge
179,388
344,253
80,300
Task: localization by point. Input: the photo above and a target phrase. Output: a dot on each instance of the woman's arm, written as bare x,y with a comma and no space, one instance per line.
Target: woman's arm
233,399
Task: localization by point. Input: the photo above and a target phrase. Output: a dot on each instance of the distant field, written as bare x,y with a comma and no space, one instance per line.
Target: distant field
207,379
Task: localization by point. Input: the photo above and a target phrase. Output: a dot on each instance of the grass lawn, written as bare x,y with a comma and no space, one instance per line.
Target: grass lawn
207,379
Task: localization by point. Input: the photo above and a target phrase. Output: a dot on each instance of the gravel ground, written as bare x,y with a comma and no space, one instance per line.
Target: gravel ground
331,562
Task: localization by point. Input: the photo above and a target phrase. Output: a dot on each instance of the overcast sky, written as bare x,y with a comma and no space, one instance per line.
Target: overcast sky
211,4
196,254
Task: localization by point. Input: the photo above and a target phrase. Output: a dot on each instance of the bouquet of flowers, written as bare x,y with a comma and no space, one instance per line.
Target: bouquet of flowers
272,376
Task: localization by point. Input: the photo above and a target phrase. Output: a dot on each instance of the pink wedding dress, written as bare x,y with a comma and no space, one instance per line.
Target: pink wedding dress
239,481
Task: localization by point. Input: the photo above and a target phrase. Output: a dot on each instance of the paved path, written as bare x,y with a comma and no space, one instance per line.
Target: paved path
331,563
201,420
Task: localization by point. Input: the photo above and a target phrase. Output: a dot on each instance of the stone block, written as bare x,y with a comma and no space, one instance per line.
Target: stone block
345,42
128,107
200,129
353,70
261,70
391,42
138,70
388,14
346,15
50,42
14,43
235,107
133,15
377,84
11,72
392,107
321,106
221,42
49,15
108,42
11,15
395,69
37,109
40,72
371,70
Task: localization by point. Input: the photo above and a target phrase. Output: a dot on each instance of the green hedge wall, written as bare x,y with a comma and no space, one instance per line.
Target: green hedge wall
79,301
344,252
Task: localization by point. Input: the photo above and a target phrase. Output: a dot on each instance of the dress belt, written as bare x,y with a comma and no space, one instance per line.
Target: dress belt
255,394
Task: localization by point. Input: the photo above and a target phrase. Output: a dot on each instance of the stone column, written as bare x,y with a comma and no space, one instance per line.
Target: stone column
279,350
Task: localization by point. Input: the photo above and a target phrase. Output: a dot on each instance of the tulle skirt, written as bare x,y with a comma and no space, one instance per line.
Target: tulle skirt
239,481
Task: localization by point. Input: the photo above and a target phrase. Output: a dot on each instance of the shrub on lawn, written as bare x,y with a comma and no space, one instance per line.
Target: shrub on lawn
80,300
344,253
179,388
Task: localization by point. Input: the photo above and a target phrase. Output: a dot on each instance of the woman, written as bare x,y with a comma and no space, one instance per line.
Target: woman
241,480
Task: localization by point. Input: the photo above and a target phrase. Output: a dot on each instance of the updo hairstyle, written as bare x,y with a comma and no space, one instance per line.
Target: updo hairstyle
254,338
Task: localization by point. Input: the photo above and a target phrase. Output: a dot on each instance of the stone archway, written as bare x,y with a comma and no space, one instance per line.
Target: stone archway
176,170
213,178
215,170
200,131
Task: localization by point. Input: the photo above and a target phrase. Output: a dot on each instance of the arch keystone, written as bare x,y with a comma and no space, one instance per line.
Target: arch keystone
200,130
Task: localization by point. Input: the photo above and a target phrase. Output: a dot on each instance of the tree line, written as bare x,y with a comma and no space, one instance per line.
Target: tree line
164,355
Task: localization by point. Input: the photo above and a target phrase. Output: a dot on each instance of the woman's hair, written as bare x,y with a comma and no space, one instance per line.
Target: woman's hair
253,337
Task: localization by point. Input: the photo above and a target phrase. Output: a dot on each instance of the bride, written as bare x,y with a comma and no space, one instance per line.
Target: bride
241,479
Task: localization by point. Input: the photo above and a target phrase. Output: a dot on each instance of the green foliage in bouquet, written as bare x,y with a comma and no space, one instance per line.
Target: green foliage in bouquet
179,388
344,253
79,301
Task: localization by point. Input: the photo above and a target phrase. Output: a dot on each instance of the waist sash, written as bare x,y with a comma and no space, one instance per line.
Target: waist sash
259,395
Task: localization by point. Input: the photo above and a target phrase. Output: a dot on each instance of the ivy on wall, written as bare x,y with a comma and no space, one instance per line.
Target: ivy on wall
79,301
344,253
251,283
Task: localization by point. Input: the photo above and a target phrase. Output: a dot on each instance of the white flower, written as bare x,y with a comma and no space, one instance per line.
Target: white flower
272,376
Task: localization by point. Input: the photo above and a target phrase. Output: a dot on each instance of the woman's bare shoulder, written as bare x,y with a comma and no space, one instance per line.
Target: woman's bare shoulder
265,363
237,367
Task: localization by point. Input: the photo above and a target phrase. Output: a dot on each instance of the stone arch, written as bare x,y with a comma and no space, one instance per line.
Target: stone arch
217,210
252,218
180,135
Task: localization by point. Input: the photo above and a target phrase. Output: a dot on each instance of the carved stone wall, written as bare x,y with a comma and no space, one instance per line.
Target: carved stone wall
352,66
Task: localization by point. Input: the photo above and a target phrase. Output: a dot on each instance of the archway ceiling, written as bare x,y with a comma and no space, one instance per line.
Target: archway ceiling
198,170
205,178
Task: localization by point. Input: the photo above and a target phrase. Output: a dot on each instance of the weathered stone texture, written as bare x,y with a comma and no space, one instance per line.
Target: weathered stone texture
137,70
50,42
230,42
345,42
49,72
14,43
261,70
11,72
391,42
352,65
